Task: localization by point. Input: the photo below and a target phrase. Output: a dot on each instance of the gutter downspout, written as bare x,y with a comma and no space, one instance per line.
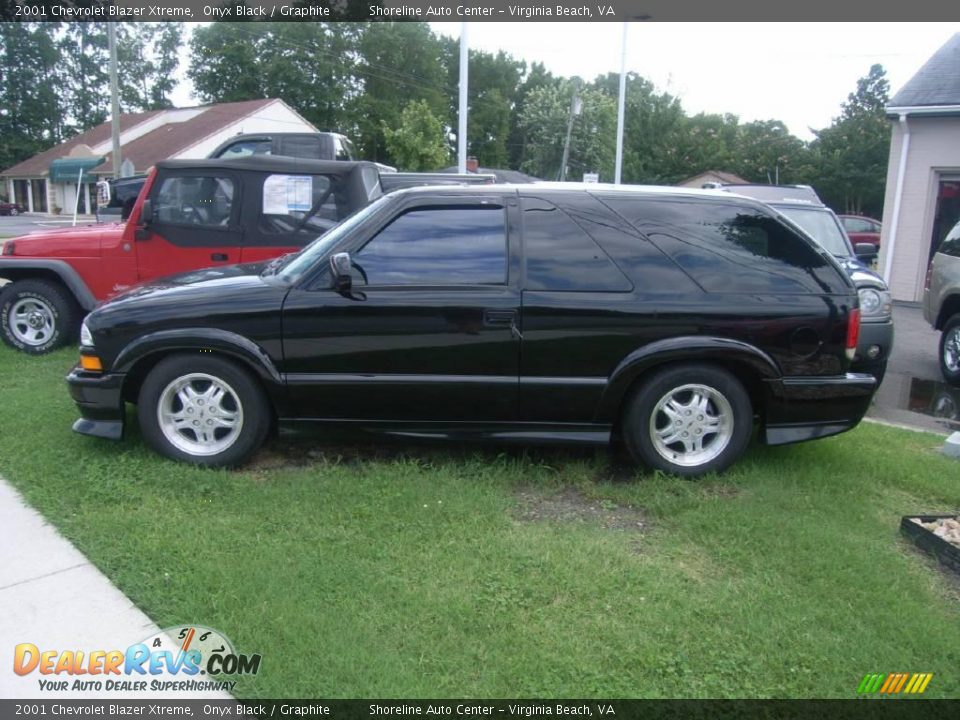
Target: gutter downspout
898,197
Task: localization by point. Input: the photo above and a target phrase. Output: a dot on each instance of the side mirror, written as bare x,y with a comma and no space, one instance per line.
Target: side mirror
866,251
340,267
146,212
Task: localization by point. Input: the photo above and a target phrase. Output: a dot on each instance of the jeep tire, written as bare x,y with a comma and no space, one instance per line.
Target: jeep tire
37,316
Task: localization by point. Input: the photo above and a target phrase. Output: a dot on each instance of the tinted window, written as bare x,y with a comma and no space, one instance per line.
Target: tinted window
857,225
951,243
438,246
561,256
245,148
302,147
731,248
821,225
194,200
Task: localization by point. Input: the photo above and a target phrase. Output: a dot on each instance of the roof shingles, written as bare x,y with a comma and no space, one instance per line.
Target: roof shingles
936,83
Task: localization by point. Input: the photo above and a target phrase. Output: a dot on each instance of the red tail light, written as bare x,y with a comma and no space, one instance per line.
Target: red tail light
853,332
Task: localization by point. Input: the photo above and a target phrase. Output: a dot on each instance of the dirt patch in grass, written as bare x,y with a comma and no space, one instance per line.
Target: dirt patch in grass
570,505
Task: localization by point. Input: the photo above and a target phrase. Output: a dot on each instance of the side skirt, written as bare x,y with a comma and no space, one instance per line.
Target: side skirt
530,433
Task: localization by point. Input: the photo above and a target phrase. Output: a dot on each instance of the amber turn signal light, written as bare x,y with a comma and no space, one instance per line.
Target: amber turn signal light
91,362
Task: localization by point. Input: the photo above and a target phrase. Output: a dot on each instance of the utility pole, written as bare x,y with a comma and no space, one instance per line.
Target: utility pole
462,116
574,111
621,102
114,99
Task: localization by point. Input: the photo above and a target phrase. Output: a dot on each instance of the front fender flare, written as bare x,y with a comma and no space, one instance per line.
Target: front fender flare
199,340
18,269
693,348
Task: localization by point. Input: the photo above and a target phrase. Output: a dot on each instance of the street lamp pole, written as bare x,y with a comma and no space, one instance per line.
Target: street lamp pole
621,103
462,117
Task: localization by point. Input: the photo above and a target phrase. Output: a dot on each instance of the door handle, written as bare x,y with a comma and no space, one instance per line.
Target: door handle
219,257
499,317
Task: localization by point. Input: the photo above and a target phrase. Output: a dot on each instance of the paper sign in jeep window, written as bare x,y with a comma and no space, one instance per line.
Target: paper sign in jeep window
298,203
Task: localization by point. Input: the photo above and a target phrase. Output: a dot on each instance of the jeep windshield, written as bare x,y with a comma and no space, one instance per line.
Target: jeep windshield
819,224
298,263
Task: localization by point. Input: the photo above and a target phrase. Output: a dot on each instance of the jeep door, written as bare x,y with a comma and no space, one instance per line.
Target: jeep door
429,330
195,222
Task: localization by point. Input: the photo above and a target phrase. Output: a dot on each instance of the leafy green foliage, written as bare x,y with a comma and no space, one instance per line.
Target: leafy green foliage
147,57
419,143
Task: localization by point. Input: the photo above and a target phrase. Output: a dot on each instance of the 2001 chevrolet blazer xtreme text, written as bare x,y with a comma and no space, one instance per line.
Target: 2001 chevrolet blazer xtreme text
674,318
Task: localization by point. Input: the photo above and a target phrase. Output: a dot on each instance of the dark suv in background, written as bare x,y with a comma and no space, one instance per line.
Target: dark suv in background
801,205
673,318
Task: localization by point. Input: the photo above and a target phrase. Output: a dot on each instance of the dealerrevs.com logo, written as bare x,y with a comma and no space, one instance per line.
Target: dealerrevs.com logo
183,658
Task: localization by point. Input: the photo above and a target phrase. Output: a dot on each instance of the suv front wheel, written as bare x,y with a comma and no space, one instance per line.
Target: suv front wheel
37,316
204,410
950,350
689,420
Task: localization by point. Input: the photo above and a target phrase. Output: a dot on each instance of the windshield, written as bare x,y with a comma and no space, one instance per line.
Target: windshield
306,258
821,226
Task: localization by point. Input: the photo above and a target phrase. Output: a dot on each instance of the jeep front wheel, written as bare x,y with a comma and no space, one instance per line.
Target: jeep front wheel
950,350
203,410
37,316
688,420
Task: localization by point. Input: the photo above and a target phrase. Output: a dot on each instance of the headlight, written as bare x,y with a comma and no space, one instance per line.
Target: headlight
874,303
86,337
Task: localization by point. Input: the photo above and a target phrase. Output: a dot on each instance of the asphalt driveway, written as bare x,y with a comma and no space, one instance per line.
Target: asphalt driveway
913,392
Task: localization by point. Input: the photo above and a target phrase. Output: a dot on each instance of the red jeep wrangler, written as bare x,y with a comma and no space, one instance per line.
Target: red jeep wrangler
191,214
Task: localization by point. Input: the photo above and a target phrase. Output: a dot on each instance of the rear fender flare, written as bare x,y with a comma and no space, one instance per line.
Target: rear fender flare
680,349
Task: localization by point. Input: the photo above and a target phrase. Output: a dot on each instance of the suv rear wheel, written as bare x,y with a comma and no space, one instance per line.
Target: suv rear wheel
204,410
689,420
37,316
950,350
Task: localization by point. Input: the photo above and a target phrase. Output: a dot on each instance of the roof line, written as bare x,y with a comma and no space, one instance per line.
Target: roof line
239,119
921,109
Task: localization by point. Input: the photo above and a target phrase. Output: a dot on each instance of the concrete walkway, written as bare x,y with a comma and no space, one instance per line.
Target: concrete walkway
53,597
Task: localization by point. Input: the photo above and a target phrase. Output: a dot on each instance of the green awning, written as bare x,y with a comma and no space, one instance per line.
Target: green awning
67,170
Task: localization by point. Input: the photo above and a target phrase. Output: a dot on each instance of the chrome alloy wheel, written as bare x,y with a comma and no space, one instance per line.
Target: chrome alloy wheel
691,425
32,321
951,349
200,414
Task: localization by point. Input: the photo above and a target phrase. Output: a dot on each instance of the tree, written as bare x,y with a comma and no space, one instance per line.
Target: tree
544,120
851,155
765,151
419,142
86,58
32,115
147,57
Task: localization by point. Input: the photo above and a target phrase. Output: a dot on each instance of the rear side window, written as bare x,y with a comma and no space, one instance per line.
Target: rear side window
246,148
438,246
302,147
559,255
951,243
195,200
726,247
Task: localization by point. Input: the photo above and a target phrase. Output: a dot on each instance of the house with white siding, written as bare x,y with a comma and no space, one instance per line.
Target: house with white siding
48,181
922,200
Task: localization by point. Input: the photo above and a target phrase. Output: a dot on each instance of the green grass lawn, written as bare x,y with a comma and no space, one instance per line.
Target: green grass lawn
367,569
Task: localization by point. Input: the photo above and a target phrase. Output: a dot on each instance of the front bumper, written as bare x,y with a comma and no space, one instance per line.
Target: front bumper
809,407
100,402
873,334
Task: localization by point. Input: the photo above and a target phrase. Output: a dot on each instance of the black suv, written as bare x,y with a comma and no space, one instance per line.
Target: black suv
674,318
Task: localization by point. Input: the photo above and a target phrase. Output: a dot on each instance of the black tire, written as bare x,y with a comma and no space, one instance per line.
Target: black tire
733,429
14,211
239,384
52,307
951,334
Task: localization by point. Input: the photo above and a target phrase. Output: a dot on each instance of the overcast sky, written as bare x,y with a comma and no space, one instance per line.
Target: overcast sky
799,73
